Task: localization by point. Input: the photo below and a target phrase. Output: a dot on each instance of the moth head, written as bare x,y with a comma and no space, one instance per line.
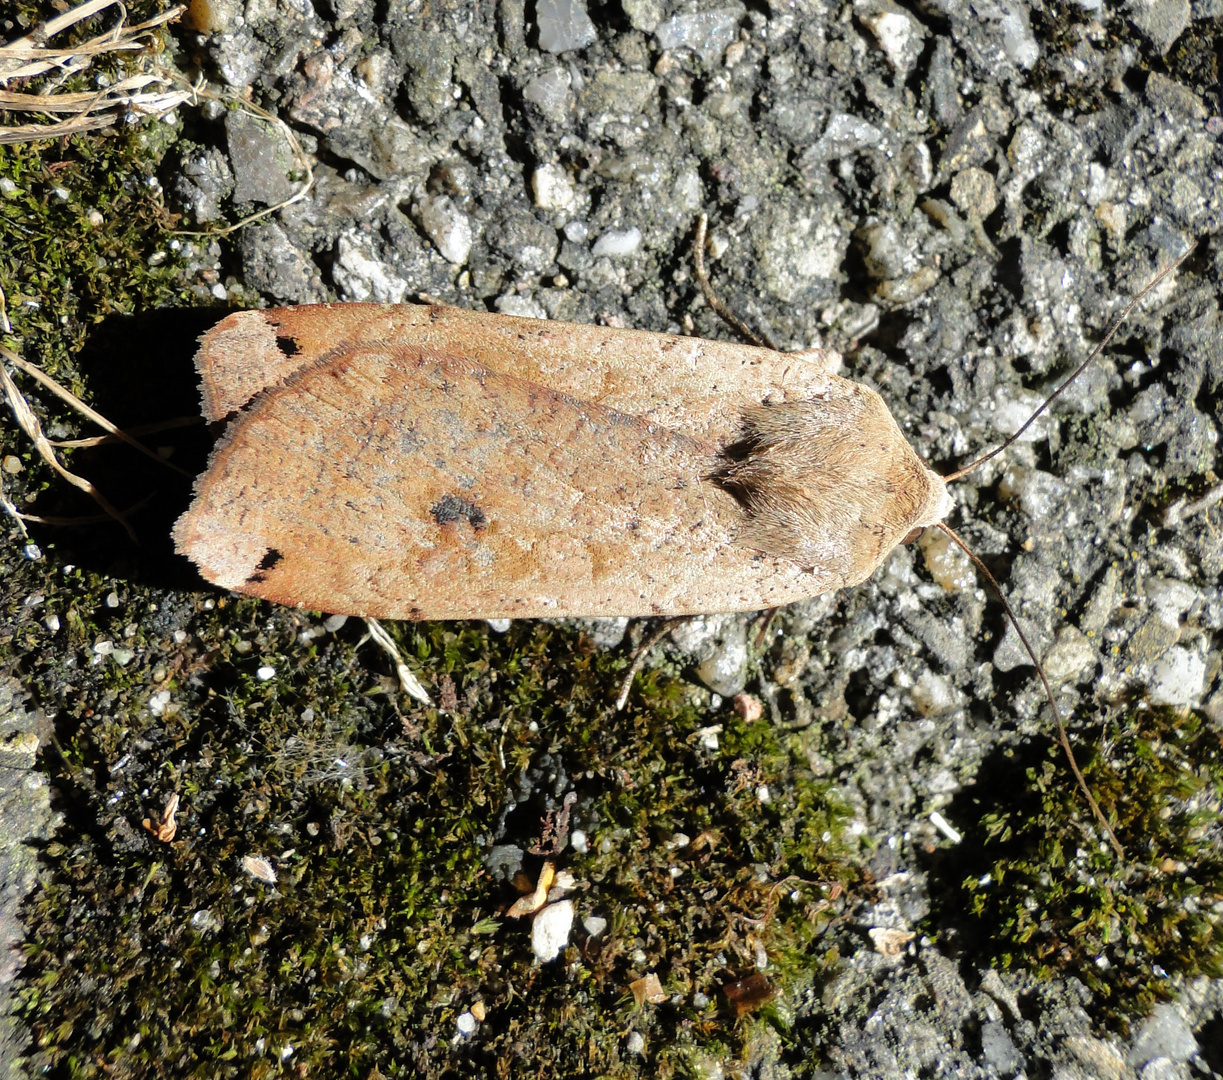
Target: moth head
830,484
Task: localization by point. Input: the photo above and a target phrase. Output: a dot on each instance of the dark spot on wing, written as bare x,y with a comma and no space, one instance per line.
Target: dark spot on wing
265,564
452,508
287,345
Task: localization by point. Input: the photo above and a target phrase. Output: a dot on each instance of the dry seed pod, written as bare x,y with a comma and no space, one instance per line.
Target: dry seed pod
432,463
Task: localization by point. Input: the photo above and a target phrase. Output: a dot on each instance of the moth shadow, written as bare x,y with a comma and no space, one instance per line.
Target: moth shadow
139,374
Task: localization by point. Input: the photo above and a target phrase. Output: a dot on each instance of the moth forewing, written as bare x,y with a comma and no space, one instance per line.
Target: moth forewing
432,463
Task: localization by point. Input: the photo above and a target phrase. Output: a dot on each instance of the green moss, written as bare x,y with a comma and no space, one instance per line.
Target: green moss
385,923
62,266
1044,892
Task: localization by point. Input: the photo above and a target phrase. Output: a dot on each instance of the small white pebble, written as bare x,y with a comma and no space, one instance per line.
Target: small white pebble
578,841
617,242
466,1023
112,599
552,188
762,793
594,925
104,648
51,622
635,1044
550,930
266,672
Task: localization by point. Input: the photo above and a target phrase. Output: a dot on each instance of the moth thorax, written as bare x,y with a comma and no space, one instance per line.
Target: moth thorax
831,484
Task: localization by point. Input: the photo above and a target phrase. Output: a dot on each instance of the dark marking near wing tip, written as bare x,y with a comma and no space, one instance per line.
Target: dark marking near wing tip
265,564
287,345
451,508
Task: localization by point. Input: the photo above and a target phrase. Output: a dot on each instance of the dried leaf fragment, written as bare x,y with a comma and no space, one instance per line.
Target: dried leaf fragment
648,989
890,942
749,993
166,828
533,901
259,868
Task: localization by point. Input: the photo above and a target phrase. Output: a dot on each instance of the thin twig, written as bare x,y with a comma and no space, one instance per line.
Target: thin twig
80,520
28,423
407,681
139,429
732,320
639,657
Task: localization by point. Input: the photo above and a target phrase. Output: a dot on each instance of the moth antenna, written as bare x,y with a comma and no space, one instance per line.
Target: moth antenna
1063,738
1100,346
761,339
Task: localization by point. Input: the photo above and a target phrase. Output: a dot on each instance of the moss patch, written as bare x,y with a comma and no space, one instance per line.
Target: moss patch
386,921
1043,891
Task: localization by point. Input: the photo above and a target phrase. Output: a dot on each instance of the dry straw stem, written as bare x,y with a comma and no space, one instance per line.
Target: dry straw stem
408,682
28,423
142,93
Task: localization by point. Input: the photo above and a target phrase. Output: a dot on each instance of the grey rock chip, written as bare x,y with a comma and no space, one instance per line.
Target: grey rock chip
707,33
273,264
644,15
843,135
1164,1034
564,26
1161,21
549,92
261,160
204,183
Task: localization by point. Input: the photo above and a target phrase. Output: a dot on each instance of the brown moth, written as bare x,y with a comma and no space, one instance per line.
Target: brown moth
416,462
